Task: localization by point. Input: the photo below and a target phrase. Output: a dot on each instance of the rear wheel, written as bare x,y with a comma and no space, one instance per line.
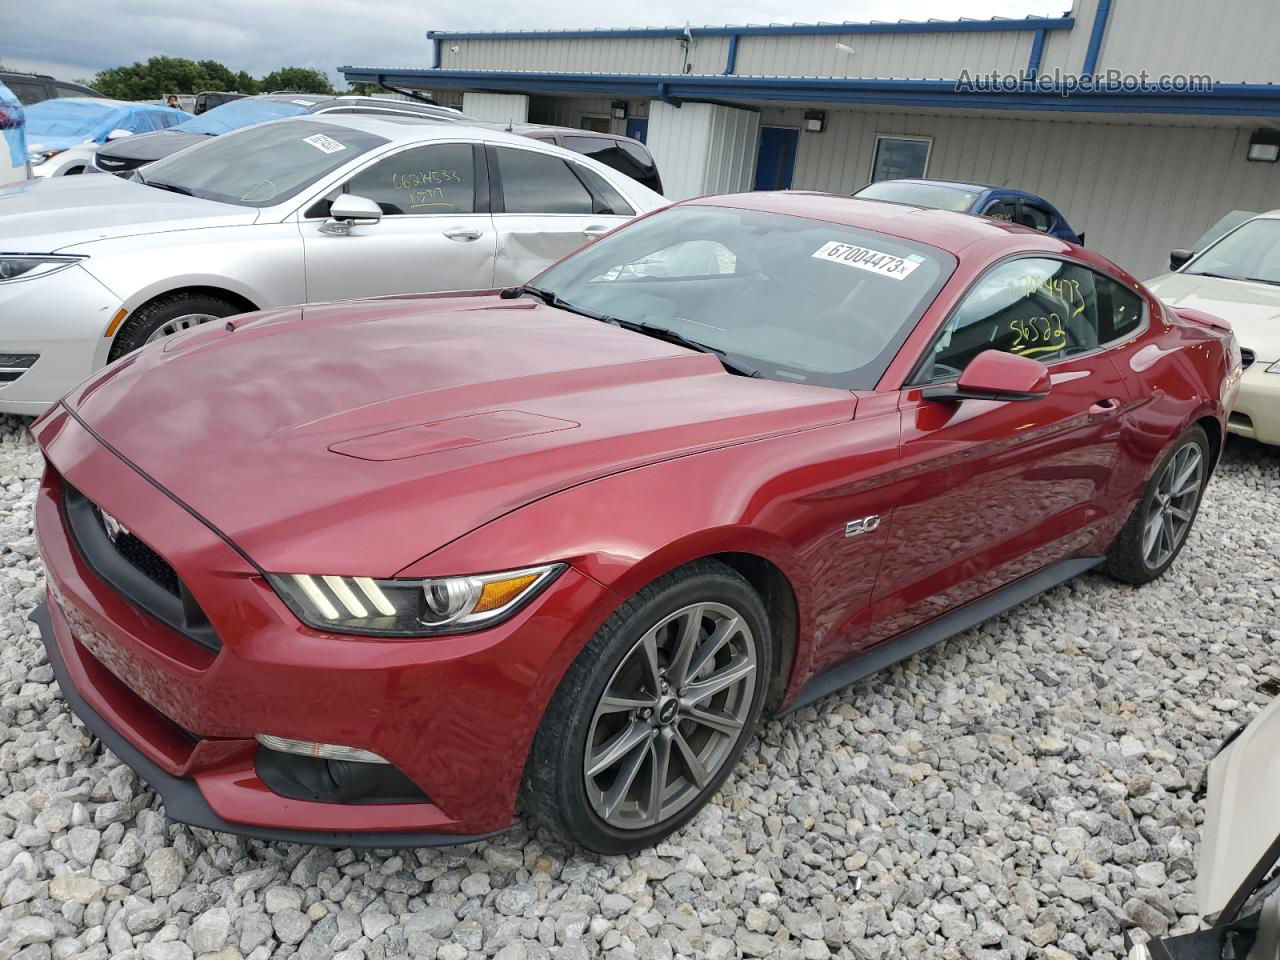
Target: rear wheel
653,713
1156,531
166,316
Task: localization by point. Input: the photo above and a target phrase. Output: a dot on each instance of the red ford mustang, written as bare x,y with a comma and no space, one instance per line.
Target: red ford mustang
377,573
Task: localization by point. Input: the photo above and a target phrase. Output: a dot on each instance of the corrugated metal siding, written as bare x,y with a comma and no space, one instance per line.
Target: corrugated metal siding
703,148
1136,191
1233,40
588,55
497,107
1064,50
915,56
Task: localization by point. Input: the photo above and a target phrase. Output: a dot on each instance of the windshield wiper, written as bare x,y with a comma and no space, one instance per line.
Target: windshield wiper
674,336
171,187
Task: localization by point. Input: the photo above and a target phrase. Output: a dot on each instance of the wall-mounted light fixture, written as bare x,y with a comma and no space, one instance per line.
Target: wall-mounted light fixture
1264,146
815,121
619,109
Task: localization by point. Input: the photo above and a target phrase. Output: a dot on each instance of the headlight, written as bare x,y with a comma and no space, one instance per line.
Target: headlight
25,266
1274,368
410,608
41,156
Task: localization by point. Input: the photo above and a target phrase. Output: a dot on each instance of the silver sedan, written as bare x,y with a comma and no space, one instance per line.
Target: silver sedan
294,211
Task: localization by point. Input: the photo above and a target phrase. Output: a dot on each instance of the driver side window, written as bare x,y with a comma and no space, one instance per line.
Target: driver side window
439,178
685,260
1036,307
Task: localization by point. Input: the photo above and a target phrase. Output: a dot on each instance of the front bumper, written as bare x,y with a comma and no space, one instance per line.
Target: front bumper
62,318
456,715
1256,413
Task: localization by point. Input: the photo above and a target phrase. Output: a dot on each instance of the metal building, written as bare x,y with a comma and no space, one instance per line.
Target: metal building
1140,164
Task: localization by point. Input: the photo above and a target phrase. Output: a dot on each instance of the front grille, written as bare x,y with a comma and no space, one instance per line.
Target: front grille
14,365
137,572
1247,358
116,164
138,555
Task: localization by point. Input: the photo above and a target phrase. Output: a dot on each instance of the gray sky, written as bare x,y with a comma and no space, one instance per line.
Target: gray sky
72,38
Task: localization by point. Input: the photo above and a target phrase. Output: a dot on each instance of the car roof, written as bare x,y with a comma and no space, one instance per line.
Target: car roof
408,129
944,229
965,185
106,102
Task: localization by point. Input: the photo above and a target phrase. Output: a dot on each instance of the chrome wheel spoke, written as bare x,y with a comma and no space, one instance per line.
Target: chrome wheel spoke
610,753
717,720
722,679
697,770
660,748
721,635
685,645
648,651
626,777
1151,536
618,701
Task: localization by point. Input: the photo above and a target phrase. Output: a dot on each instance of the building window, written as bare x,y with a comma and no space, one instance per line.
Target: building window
898,157
595,124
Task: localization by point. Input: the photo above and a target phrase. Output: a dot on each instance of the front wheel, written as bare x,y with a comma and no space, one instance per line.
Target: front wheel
166,316
654,712
1156,531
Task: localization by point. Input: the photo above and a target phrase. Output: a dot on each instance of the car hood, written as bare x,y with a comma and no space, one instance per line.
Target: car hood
1253,309
47,215
151,146
355,438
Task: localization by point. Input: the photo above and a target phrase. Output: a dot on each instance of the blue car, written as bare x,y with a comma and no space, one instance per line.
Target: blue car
999,203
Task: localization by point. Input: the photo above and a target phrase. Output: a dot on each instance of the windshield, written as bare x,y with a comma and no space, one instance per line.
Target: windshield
1223,227
1250,253
262,165
241,113
71,118
795,299
919,194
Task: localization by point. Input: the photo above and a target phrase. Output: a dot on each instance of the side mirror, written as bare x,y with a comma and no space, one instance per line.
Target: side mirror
1179,257
349,209
995,375
119,132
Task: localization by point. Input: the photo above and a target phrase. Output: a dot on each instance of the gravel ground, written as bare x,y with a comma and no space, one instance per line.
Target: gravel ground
1023,790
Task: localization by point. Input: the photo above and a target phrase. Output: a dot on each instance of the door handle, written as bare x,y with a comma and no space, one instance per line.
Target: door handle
595,230
1104,408
463,234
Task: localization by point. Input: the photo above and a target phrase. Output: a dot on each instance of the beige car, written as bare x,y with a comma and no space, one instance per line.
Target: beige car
1237,277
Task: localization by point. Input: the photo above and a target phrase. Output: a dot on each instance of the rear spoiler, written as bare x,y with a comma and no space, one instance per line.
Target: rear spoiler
1203,319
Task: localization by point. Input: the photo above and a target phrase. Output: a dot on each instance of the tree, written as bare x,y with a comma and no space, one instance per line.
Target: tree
296,80
164,75
245,83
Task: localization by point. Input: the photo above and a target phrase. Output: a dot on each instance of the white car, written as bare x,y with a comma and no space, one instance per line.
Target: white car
1237,277
64,133
298,210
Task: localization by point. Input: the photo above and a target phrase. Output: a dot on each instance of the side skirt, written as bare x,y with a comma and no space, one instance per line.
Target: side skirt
935,631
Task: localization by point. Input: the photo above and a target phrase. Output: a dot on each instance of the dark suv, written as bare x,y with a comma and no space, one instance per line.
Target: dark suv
129,153
31,88
214,98
622,153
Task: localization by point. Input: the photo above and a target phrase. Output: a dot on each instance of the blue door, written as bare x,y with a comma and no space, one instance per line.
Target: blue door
776,161
638,128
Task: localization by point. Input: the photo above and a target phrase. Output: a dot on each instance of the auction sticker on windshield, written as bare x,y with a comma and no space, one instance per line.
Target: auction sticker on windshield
321,142
864,258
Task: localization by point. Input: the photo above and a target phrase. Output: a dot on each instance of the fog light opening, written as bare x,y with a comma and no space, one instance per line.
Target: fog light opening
324,751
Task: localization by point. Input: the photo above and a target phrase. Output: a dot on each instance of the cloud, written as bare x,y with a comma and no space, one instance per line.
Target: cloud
70,38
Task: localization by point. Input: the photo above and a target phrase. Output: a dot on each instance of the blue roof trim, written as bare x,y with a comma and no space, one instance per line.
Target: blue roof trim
731,60
1033,64
1225,99
1100,17
772,30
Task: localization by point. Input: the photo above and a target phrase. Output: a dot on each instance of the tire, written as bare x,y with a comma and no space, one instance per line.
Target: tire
1132,558
601,812
176,309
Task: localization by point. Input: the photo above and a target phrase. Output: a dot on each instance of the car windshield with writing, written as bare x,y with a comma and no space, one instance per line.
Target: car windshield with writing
241,113
794,299
919,194
261,165
1251,252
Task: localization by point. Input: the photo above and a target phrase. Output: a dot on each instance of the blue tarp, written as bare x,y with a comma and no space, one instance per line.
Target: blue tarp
67,121
241,113
12,127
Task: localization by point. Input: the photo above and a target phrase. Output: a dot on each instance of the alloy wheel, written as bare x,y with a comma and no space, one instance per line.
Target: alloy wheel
1173,505
670,716
178,324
